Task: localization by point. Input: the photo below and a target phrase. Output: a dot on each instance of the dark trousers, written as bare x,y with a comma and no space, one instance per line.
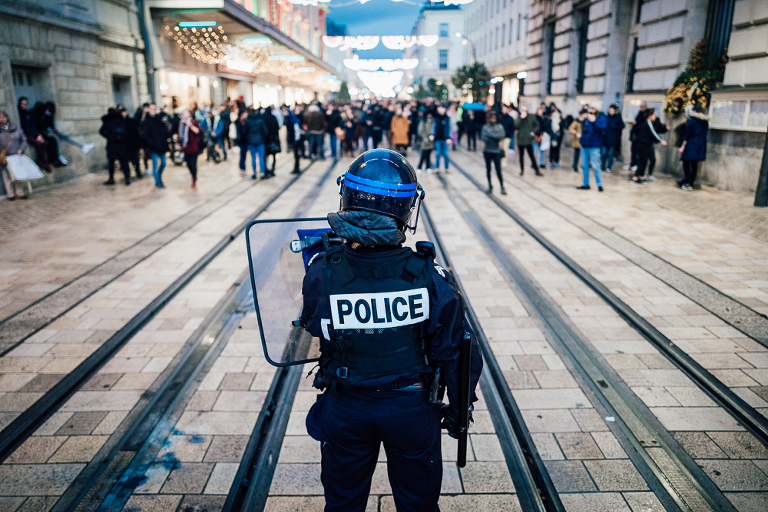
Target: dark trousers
691,169
554,150
496,159
298,152
243,156
472,140
354,424
135,161
41,153
426,158
529,150
377,136
191,159
576,158
645,155
123,167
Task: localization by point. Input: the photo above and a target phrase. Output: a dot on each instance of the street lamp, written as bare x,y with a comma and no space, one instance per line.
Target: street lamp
468,40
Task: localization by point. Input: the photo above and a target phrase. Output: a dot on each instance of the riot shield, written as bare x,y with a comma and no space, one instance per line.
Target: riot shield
278,252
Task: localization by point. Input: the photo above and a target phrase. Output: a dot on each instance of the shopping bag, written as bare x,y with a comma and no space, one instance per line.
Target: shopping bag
22,168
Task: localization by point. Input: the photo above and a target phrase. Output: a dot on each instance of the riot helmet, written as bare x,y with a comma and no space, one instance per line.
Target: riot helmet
384,182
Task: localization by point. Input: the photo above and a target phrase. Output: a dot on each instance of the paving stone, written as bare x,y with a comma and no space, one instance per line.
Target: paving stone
520,380
748,501
699,445
187,478
481,477
643,502
550,398
221,478
192,503
42,383
559,420
202,401
81,423
530,363
38,504
691,397
609,445
53,424
237,381
151,503
110,423
86,401
740,445
733,378
239,401
37,479
141,381
555,379
615,475
298,504
569,476
296,480
79,449
101,382
735,475
655,397
10,504
695,418
35,449
154,478
226,449
547,446
184,448
463,502
589,420
299,449
486,447
18,402
752,399
578,445
217,423
590,502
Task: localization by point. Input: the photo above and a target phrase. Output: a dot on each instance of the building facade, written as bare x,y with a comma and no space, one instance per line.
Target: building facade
83,56
627,51
497,29
441,60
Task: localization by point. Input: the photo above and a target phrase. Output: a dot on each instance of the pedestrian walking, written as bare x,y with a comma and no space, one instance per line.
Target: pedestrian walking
527,126
189,137
28,123
154,133
492,135
115,130
694,148
426,127
508,143
542,138
633,136
332,122
314,122
611,138
134,141
375,380
453,116
242,141
556,135
399,129
272,141
442,133
12,142
470,127
646,137
575,129
591,142
256,137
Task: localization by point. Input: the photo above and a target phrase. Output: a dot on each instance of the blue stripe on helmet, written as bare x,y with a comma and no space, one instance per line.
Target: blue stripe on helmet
380,191
380,184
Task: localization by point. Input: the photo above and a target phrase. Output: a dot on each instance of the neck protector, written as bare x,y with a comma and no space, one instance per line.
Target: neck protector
366,228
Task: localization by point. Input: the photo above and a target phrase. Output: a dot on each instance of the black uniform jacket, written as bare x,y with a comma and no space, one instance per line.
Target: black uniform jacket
445,327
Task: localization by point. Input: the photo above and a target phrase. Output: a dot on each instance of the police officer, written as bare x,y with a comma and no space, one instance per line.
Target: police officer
387,317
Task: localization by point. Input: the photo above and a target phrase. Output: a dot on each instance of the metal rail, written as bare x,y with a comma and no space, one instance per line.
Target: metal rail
534,487
677,480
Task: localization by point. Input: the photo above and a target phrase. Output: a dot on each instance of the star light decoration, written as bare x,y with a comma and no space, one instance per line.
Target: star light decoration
381,83
344,43
403,42
251,55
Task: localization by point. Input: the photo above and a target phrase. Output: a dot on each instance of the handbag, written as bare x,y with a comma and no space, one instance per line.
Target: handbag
3,157
273,148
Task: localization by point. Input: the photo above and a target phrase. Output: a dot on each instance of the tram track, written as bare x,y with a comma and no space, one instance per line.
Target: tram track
755,422
15,433
21,325
105,487
679,483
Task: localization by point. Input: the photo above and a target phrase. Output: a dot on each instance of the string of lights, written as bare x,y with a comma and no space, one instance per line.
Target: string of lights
344,43
358,64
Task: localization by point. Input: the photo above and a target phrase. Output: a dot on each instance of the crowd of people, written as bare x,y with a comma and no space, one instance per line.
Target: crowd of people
429,127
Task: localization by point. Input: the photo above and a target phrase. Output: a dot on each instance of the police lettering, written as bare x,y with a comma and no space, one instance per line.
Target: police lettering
379,310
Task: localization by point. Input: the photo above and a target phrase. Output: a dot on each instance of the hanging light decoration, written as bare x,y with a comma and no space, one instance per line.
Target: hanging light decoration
206,44
344,43
381,83
358,64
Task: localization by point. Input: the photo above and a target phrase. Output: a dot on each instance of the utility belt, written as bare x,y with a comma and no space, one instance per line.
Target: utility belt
401,384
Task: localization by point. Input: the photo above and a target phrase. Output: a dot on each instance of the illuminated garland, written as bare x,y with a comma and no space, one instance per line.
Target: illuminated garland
381,83
383,64
345,43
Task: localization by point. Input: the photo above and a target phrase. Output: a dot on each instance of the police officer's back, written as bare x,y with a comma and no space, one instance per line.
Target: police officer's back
387,317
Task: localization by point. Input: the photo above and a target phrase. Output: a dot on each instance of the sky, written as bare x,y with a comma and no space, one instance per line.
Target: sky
376,18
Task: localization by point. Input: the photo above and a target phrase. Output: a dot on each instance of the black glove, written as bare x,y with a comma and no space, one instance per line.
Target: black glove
450,421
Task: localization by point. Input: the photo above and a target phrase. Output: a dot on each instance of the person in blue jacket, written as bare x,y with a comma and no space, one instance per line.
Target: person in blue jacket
387,317
591,142
694,147
611,138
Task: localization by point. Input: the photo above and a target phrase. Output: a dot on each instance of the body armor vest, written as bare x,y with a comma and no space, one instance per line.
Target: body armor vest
379,313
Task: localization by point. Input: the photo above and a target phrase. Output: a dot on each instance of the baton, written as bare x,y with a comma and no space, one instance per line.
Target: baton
465,374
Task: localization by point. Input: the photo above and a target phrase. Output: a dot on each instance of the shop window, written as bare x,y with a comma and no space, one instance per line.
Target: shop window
719,24
550,35
443,30
503,33
519,25
632,66
583,17
496,46
443,59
